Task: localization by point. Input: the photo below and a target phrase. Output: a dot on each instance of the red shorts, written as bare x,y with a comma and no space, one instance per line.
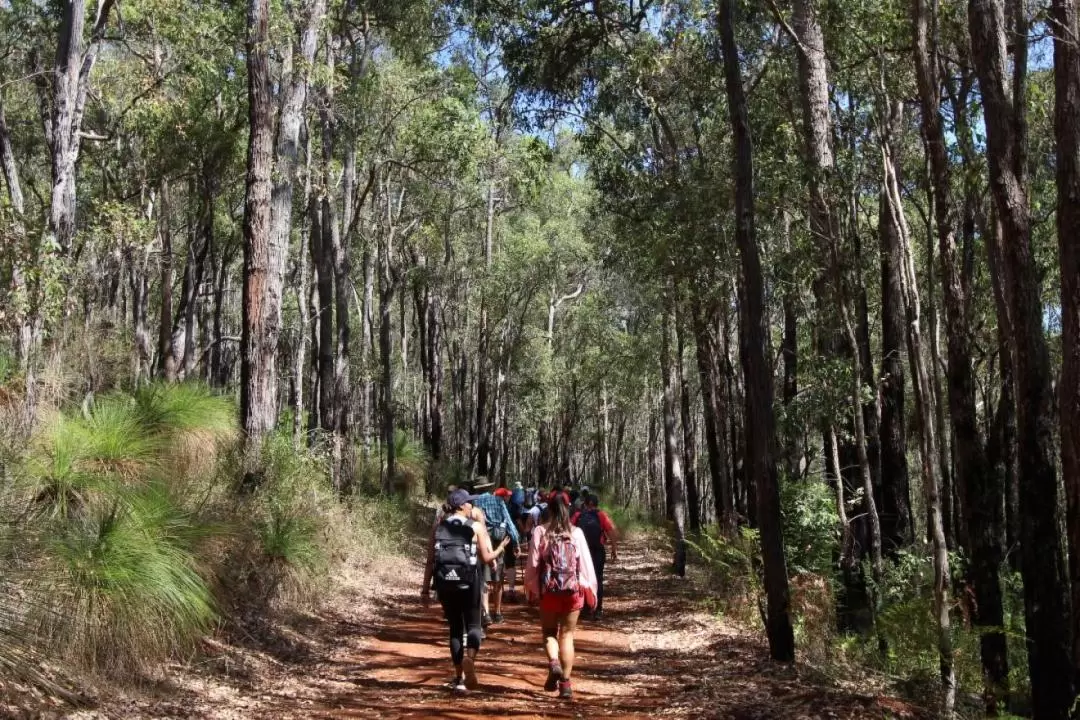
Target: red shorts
562,604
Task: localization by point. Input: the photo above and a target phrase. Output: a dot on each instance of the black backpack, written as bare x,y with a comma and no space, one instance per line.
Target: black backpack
589,522
455,554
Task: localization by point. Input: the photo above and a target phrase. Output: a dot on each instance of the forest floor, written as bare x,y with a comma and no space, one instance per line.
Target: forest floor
377,653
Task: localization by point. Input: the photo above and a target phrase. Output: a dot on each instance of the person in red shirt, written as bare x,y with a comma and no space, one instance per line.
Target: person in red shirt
600,532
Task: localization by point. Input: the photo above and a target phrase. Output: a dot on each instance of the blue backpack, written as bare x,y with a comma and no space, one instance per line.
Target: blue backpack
517,504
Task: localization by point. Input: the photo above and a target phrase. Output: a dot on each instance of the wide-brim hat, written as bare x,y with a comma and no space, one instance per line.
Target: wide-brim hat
482,483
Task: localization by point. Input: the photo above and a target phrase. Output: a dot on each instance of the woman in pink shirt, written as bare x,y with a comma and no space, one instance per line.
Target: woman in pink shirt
560,574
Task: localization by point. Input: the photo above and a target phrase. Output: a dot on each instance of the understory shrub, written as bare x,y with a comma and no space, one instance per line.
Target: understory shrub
128,532
731,566
111,544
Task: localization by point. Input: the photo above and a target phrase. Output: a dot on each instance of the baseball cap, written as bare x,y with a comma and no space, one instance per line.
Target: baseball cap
459,497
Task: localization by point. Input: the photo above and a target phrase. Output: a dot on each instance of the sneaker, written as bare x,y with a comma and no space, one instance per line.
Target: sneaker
468,665
554,675
496,618
485,620
456,685
565,691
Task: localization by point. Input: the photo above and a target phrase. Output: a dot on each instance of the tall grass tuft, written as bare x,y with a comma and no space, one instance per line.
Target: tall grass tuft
412,460
129,581
112,534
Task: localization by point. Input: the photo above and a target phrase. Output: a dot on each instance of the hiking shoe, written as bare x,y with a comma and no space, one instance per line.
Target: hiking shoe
565,691
496,618
554,676
468,665
456,685
485,620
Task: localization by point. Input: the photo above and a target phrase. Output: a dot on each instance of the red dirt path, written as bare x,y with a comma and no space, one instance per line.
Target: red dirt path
376,653
656,654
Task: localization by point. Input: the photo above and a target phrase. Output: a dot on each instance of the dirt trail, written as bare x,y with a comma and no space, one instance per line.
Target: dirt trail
377,653
406,665
655,654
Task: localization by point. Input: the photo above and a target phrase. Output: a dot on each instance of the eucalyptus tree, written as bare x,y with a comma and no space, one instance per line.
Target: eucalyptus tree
1067,134
1046,590
982,492
761,430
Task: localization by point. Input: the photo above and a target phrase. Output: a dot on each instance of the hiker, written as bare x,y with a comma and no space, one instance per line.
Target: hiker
600,533
532,511
499,525
578,500
516,505
561,575
510,557
455,544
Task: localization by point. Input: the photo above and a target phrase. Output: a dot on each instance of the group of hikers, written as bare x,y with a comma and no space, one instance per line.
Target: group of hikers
560,537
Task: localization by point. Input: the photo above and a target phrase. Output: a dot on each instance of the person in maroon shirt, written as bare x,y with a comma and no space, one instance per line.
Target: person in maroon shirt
600,532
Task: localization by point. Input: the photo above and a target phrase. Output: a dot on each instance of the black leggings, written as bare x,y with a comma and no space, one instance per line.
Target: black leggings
599,559
462,610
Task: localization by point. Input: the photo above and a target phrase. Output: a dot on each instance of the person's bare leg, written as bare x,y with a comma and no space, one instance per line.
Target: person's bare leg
496,601
549,625
566,643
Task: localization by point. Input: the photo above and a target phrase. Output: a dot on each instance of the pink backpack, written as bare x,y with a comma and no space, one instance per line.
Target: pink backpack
559,564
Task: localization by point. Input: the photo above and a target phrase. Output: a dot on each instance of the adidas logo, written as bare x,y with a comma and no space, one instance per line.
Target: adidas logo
452,575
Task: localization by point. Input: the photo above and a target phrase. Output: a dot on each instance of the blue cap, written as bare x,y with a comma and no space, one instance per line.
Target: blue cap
459,497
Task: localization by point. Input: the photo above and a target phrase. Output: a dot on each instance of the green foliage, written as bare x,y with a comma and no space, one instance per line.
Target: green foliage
286,508
174,409
130,580
810,527
290,538
412,459
114,531
731,563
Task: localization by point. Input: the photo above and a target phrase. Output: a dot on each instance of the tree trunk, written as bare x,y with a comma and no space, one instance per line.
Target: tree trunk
928,451
336,245
258,352
139,283
267,230
757,365
218,375
63,132
693,493
323,262
302,289
789,348
1067,132
166,354
7,163
980,489
388,281
897,530
674,489
716,436
1047,598
195,269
